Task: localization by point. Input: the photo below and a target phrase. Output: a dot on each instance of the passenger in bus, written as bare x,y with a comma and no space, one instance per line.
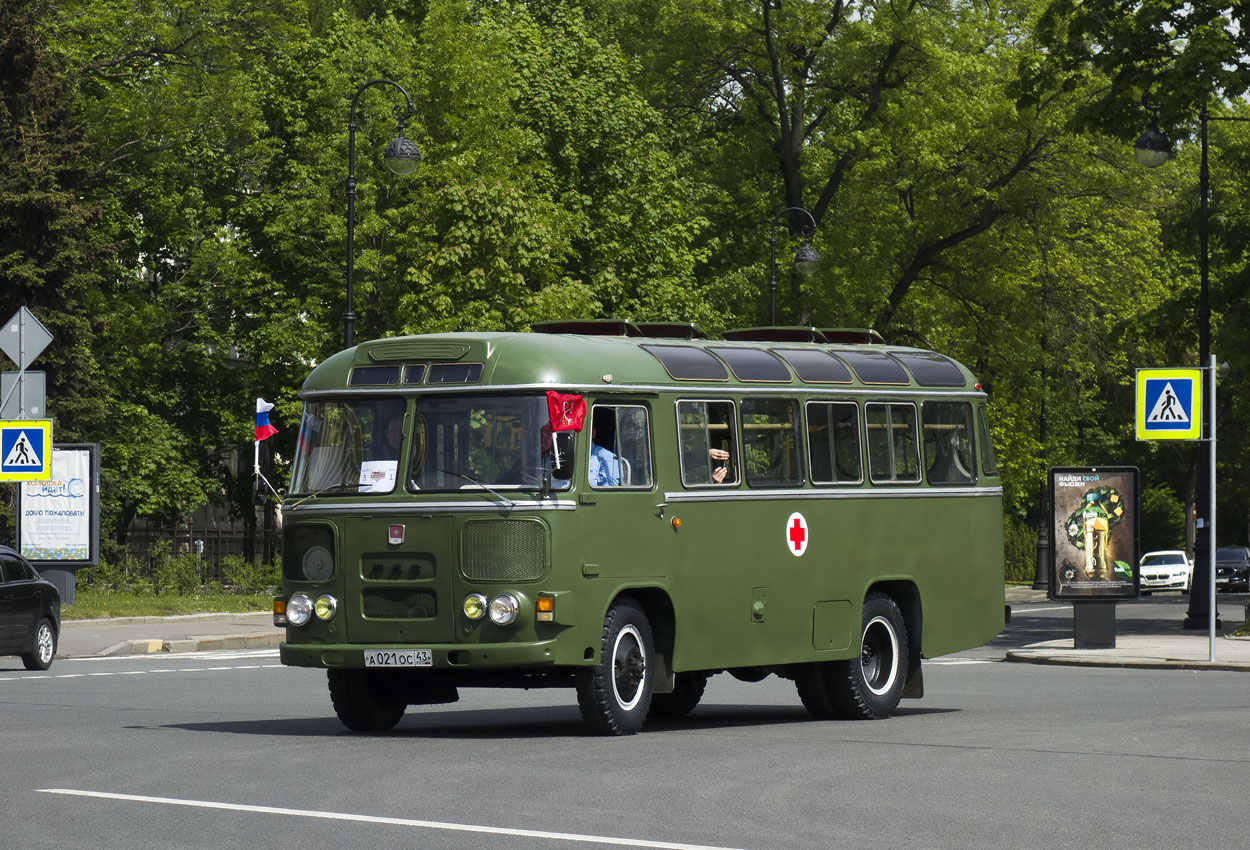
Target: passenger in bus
720,465
605,467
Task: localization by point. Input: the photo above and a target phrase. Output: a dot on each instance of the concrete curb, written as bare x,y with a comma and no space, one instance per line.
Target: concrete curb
1125,662
193,643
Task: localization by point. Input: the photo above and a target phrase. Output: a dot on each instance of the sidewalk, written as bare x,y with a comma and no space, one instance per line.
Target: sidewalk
145,635
1174,648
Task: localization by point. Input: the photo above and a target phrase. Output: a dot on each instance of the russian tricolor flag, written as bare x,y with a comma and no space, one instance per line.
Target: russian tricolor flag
263,429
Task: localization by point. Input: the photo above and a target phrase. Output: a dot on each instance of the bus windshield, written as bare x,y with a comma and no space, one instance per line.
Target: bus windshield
452,443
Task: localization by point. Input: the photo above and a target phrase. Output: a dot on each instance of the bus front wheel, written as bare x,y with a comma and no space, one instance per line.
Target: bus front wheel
615,694
869,686
364,700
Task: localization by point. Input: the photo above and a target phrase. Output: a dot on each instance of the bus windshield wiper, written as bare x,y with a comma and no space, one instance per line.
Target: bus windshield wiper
331,488
481,484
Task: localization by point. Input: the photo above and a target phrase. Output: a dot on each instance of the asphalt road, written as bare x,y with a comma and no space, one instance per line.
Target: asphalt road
231,750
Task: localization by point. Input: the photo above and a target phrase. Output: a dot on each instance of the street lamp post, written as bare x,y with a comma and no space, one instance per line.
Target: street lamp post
806,259
402,157
1153,149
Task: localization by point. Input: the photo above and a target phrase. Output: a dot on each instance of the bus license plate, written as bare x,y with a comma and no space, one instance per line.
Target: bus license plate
399,658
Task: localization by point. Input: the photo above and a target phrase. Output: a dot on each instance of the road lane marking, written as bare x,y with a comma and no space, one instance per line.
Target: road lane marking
48,677
423,824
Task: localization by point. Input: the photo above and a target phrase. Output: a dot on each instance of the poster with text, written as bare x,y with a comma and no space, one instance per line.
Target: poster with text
58,518
1094,533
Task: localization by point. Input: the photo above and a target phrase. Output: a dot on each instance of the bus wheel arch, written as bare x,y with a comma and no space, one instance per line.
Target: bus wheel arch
907,597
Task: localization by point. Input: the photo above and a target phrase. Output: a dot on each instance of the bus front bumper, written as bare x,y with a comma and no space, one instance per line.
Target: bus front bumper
482,656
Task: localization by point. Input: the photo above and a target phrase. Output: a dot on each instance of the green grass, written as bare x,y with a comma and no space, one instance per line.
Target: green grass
91,603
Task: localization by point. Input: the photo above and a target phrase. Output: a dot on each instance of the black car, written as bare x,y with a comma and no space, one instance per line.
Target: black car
1232,568
30,612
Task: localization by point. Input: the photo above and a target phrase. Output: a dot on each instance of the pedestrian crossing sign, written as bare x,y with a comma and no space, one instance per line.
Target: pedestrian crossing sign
25,450
1169,404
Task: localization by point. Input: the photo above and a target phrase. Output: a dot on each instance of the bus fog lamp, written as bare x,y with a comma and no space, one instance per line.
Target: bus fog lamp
325,607
503,609
475,606
298,609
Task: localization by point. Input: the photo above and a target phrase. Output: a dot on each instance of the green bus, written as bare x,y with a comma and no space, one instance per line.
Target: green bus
628,509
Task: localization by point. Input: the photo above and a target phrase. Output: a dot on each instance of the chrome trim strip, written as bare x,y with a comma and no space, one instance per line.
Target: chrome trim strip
849,493
900,393
408,508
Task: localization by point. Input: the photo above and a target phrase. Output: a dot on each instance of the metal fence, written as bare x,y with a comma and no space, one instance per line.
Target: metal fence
211,543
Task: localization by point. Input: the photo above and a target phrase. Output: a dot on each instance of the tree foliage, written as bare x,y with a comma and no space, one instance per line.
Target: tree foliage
172,199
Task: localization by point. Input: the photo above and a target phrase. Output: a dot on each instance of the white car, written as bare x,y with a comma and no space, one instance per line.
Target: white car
1169,569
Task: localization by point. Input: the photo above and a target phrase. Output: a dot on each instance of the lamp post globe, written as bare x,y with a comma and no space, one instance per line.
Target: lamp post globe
806,259
402,155
1152,148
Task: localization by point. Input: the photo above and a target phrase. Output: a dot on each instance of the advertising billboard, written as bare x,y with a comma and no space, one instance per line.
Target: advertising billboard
1094,528
59,519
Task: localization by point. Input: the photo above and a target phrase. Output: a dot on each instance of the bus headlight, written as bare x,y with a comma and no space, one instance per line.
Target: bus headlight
325,606
503,609
475,606
298,609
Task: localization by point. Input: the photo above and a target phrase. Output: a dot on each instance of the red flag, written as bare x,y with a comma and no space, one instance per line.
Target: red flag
568,412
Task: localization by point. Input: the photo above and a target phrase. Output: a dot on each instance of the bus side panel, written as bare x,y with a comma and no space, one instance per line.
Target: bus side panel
744,599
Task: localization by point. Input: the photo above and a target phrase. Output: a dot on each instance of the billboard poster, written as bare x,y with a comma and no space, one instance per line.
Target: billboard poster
58,519
1094,529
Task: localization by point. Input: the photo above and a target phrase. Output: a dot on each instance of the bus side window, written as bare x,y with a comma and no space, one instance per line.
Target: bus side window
708,443
989,464
833,442
770,442
620,453
948,444
892,456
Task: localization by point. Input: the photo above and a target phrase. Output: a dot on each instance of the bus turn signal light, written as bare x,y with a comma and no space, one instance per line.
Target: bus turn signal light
546,609
279,612
676,523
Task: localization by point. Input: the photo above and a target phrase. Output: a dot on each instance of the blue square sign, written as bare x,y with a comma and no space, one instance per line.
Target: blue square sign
1169,404
26,450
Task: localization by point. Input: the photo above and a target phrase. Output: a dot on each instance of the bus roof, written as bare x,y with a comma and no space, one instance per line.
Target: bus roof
599,360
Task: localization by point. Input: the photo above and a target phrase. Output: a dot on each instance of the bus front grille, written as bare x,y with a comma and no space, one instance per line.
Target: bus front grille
503,550
395,566
398,604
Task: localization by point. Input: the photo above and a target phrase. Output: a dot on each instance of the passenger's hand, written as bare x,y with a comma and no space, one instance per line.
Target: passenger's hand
718,454
718,474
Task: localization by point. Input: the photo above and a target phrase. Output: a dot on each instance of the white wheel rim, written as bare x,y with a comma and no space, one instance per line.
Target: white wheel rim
878,654
622,654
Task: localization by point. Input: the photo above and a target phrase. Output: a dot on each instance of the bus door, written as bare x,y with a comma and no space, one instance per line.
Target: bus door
617,495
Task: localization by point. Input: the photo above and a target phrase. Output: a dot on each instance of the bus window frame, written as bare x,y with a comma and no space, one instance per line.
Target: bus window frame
796,410
646,410
860,441
915,447
735,451
970,434
986,456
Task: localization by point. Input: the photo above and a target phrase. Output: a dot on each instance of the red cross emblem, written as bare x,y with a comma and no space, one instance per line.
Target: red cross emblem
796,534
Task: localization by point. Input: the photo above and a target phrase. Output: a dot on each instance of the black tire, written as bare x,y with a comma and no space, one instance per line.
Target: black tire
687,691
868,687
615,695
40,658
364,700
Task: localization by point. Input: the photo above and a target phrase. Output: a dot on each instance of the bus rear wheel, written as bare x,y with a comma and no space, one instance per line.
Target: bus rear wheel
687,691
615,694
870,686
365,700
